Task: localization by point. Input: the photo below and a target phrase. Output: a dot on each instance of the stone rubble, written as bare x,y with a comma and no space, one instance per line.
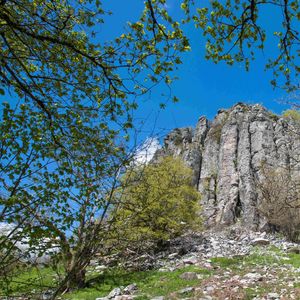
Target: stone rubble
200,249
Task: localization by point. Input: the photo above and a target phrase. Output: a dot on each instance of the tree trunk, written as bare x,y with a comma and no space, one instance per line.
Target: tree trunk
76,279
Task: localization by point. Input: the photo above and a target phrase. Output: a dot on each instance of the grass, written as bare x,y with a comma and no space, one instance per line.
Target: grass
29,280
150,283
269,256
294,260
33,281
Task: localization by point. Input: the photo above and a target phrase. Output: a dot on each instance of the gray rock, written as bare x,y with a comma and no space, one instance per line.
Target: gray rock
209,289
253,276
114,293
189,276
273,296
260,242
295,250
226,156
186,290
130,289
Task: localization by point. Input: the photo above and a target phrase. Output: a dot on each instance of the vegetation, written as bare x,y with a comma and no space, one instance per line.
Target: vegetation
63,137
235,29
64,134
152,283
158,202
280,202
292,114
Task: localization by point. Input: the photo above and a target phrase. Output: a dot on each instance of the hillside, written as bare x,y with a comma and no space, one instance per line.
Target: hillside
239,254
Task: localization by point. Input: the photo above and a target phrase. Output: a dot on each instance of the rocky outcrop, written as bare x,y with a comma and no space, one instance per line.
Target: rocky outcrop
227,154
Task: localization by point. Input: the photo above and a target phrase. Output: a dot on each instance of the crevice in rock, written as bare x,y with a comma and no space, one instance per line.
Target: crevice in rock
238,208
215,191
199,171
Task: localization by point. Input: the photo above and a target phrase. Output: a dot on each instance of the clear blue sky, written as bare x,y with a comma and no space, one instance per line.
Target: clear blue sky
203,87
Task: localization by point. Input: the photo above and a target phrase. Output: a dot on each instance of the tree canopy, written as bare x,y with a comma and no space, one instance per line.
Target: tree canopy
235,30
156,202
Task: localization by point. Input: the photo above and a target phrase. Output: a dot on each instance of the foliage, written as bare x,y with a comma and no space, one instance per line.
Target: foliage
156,203
292,114
47,55
235,29
53,195
62,143
280,202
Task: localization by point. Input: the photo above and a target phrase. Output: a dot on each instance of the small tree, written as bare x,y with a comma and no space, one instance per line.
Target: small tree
156,203
281,200
53,196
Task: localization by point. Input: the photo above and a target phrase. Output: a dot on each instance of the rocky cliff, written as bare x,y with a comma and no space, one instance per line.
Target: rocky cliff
226,155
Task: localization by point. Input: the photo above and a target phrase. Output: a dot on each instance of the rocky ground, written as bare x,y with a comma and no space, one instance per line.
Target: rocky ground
230,264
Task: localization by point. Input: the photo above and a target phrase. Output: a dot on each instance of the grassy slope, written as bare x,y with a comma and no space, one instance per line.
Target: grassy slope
152,283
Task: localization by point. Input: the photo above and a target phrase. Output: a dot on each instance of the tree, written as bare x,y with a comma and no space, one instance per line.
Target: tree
48,57
57,199
235,29
72,98
280,202
63,136
155,203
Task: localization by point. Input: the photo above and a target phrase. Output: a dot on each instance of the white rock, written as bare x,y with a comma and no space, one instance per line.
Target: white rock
115,292
186,290
100,268
130,289
253,276
190,260
172,255
273,296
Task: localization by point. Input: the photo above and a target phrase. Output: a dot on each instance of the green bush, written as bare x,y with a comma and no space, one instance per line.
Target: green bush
157,202
292,114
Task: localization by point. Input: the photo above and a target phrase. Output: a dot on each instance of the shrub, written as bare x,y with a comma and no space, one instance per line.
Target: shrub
292,114
281,200
157,202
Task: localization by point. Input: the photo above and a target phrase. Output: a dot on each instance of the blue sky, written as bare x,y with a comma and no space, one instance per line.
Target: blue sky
203,87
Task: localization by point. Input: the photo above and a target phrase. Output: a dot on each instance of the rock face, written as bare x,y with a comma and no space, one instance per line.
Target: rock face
226,156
